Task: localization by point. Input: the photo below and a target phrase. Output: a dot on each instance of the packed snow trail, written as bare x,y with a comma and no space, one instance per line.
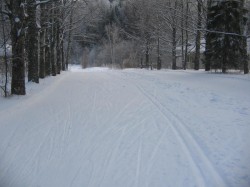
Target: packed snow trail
131,128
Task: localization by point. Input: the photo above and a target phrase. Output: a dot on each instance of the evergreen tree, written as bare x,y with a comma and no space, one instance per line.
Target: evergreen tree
225,37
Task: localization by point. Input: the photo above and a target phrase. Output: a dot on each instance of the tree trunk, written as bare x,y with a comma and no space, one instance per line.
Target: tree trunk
174,49
62,53
58,49
246,69
42,44
5,53
58,34
48,42
182,35
245,57
158,54
174,42
53,41
187,37
69,38
198,39
32,43
17,40
244,41
208,41
147,54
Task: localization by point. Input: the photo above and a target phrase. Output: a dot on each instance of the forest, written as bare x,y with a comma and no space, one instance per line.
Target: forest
40,38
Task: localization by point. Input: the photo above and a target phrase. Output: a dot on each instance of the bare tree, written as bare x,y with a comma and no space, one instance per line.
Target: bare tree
42,39
32,42
3,46
198,37
17,17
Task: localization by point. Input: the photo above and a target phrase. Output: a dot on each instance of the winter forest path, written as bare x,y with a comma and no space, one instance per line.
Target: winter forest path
129,128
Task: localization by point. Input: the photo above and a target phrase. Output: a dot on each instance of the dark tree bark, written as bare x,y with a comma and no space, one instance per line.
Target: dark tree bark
182,34
244,28
62,41
53,41
17,40
174,49
174,41
62,57
69,37
58,49
245,57
47,61
147,54
5,52
187,37
208,40
48,41
158,54
32,42
198,38
42,43
58,39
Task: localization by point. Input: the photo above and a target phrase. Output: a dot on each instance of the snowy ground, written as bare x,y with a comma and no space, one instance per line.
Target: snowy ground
130,128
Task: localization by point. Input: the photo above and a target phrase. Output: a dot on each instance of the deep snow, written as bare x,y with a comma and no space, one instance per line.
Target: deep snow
113,128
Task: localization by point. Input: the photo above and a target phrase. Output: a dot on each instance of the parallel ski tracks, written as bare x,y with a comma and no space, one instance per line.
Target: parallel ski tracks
203,169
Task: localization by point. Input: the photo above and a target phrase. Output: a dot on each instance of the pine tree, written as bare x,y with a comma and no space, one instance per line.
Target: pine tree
226,20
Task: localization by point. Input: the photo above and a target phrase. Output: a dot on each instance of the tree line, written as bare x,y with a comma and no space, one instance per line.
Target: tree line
36,31
45,35
176,34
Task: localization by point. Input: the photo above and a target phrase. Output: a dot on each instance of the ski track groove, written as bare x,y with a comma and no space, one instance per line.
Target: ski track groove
58,134
76,175
68,122
184,136
113,155
135,140
67,125
51,148
159,128
56,117
34,155
153,155
111,128
53,136
139,158
92,147
5,170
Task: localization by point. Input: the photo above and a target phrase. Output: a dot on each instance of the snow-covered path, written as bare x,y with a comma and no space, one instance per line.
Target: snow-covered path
131,128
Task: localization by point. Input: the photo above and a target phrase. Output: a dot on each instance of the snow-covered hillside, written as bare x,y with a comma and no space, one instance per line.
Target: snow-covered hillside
130,128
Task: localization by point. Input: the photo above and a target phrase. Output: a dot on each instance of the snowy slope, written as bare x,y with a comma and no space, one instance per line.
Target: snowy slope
110,128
